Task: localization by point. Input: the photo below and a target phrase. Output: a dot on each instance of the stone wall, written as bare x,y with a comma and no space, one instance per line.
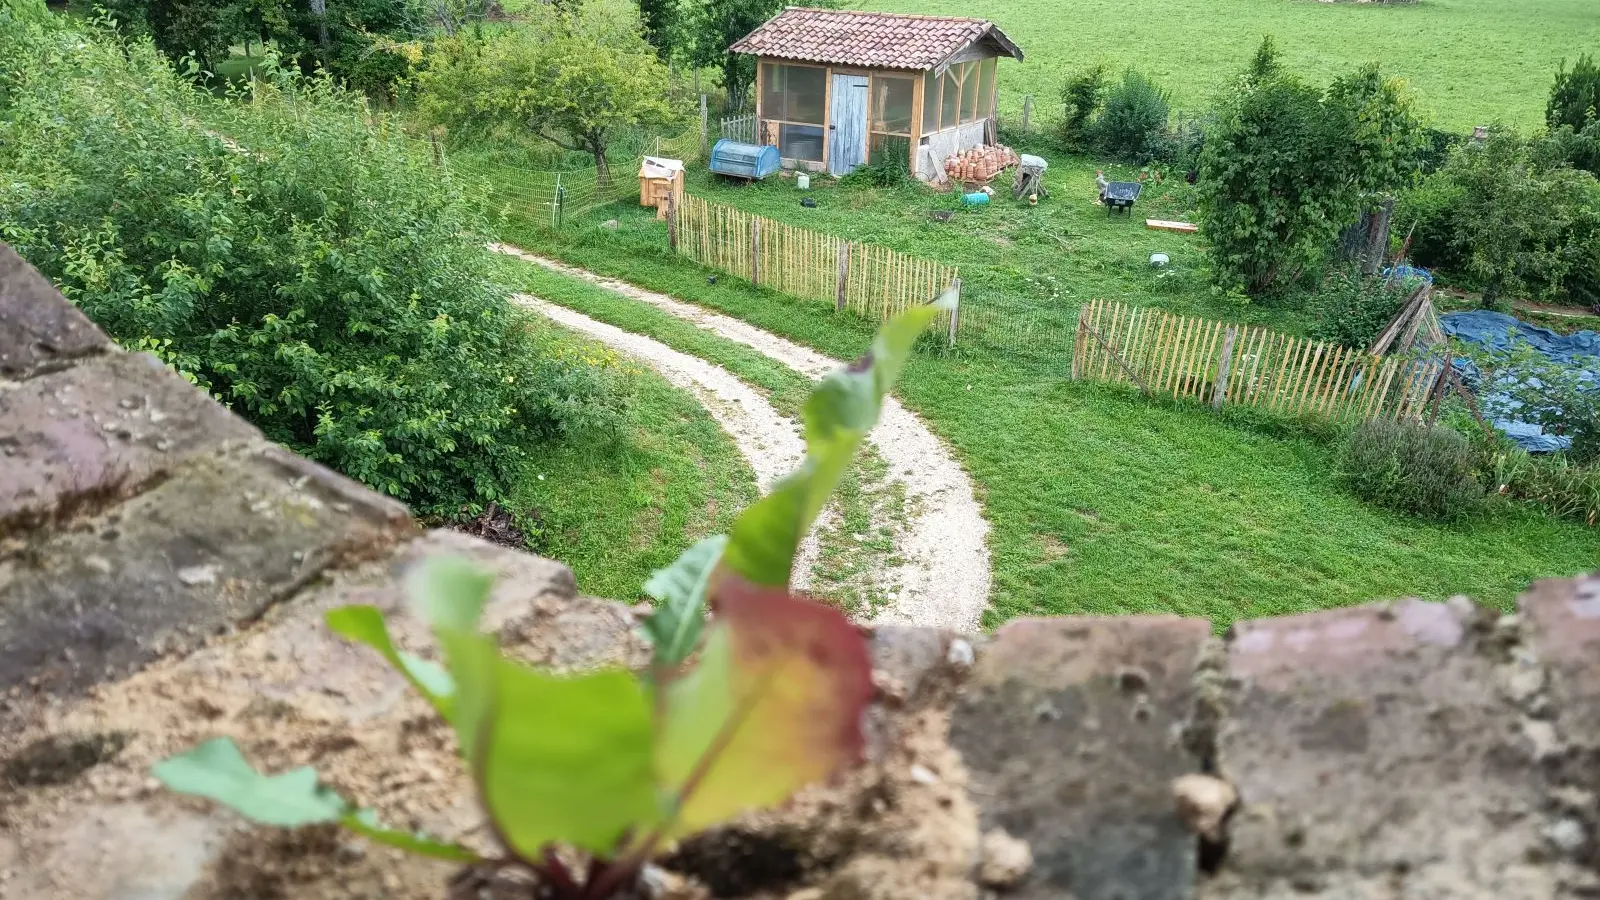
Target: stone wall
163,567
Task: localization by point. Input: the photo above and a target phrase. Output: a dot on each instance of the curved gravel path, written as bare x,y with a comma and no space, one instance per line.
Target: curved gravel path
770,442
944,570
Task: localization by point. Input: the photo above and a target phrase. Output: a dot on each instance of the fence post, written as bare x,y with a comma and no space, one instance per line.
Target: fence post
555,204
672,222
955,314
842,285
755,250
1437,399
705,124
658,145
438,155
1027,112
1077,344
1219,391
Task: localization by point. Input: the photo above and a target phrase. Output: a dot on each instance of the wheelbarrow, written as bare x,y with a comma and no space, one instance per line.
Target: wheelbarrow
1119,196
1030,178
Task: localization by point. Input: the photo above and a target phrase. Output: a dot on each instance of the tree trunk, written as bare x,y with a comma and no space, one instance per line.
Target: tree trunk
602,169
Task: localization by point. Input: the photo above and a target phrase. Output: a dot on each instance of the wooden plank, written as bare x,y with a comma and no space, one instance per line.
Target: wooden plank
1185,352
1285,364
1108,334
1220,391
1206,361
1319,361
1330,380
1166,225
1169,349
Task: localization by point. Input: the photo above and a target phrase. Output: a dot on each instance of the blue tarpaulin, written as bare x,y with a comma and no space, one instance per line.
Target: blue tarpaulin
1499,331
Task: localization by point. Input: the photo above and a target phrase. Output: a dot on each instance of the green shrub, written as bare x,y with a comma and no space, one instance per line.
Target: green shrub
1132,123
1407,467
888,166
322,279
1575,96
1555,483
1080,98
1351,309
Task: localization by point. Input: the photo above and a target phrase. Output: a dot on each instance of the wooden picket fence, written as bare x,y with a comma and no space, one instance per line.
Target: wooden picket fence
867,279
1218,363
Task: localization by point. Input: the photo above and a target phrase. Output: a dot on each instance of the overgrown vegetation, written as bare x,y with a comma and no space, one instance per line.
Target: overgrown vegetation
606,763
1411,468
1288,165
1351,309
323,280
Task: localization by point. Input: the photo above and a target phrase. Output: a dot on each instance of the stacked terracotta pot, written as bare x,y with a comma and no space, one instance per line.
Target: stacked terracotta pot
980,164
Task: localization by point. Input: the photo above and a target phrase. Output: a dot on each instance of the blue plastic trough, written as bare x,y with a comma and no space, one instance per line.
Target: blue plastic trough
752,161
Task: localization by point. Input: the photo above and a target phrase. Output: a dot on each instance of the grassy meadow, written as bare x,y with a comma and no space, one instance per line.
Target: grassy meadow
1471,62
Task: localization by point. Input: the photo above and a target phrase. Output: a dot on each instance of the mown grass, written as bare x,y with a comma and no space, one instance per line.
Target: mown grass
1471,62
1103,502
615,510
857,538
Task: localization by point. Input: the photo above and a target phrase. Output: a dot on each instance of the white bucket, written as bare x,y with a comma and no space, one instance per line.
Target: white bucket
803,181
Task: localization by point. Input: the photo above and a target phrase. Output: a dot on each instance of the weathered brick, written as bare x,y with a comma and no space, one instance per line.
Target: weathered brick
39,329
1070,732
98,430
1562,619
1377,754
290,691
223,539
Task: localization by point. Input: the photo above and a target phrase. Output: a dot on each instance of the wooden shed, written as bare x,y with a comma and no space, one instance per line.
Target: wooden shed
835,88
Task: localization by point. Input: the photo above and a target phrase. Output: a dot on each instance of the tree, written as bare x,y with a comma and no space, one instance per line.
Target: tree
1288,165
204,29
1267,61
1081,98
660,18
717,25
575,78
1511,214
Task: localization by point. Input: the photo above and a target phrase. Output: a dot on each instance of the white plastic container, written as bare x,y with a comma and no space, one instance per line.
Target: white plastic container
803,181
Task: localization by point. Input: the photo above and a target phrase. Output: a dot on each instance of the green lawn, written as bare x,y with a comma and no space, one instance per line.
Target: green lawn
1101,501
1472,62
616,510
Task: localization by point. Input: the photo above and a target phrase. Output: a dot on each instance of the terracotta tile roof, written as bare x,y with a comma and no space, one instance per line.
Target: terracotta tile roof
878,40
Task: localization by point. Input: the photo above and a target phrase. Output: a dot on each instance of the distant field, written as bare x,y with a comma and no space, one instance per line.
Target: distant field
1472,61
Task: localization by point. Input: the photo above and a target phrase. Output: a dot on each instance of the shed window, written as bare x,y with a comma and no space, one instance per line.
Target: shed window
796,94
950,103
930,102
986,88
970,89
891,104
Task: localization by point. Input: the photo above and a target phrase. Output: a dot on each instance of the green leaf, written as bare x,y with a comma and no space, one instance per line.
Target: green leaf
565,759
217,770
838,415
774,704
366,625
675,627
449,592
365,823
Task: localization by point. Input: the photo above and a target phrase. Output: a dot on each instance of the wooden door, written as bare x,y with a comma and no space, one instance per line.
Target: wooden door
847,142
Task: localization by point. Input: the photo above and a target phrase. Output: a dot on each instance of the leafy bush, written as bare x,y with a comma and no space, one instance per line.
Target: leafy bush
1351,309
1080,98
1132,122
772,702
1287,163
1427,472
317,275
1512,215
1575,96
889,165
1555,483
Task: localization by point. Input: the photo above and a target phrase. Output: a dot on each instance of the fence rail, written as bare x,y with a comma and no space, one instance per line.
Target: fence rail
1218,363
867,279
739,128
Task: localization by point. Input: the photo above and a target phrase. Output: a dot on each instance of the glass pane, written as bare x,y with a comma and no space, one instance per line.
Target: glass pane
930,103
950,105
986,98
803,142
891,105
772,91
969,93
808,91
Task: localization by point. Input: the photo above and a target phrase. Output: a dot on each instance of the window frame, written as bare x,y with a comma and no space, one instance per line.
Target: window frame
762,89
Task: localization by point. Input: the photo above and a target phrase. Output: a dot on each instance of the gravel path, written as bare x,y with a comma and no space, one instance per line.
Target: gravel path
771,443
943,576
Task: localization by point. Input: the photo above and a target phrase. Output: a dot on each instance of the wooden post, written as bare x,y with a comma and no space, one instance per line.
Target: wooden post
1077,344
705,122
1027,112
1219,393
955,314
755,250
672,223
1377,237
1445,375
555,204
433,142
841,288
